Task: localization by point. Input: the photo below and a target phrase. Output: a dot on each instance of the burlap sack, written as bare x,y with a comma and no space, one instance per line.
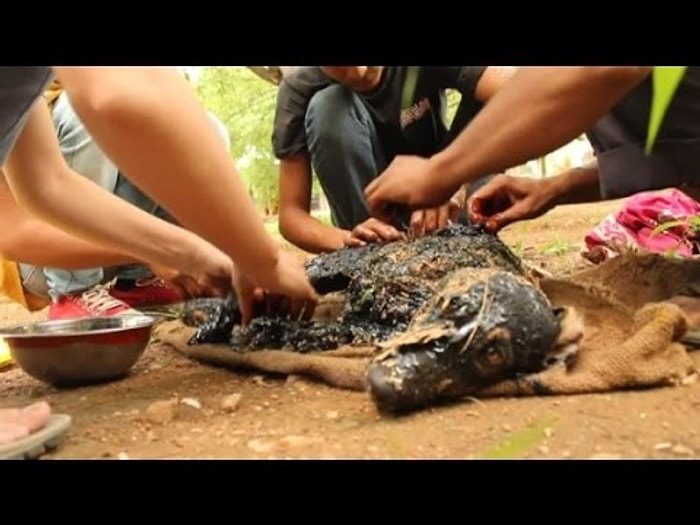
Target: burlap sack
631,337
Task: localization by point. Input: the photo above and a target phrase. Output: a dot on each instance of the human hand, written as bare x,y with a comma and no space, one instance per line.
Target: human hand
506,199
185,285
208,267
371,230
409,181
288,291
429,220
248,295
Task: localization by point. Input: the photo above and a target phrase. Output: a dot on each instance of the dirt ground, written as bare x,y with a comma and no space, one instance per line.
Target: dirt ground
172,407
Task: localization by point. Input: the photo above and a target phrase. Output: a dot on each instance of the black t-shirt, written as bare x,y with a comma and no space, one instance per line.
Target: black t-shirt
418,129
619,140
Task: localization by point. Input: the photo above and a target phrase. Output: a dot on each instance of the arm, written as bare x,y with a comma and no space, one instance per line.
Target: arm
296,223
42,183
506,199
153,127
577,185
474,83
558,102
491,81
29,240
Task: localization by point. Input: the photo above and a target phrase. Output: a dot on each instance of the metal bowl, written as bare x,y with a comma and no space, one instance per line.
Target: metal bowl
75,352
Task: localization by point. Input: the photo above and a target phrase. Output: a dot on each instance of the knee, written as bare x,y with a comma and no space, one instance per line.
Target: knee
331,113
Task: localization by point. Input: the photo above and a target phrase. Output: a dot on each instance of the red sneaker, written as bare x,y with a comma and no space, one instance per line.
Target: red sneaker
151,291
95,302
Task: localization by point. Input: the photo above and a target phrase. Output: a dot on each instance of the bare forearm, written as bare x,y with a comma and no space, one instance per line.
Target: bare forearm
577,185
130,235
42,183
33,241
30,240
539,110
130,112
310,234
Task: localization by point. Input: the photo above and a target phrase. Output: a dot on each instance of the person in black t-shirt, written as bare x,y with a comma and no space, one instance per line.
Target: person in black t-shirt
348,123
540,110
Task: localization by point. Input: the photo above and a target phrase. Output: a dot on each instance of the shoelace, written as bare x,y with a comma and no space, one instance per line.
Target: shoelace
99,301
151,281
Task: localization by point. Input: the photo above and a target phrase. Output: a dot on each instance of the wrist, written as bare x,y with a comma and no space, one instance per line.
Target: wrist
265,274
341,237
446,175
323,239
558,189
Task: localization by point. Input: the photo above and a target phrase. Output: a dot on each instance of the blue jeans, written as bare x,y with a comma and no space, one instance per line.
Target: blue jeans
345,152
85,157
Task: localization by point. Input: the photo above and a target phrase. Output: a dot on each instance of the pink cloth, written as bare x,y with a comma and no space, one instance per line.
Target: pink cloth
631,227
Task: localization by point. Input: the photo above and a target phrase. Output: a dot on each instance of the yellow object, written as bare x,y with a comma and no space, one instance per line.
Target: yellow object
11,287
52,93
5,357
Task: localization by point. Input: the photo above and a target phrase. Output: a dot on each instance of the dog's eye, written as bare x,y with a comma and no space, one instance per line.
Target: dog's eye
494,356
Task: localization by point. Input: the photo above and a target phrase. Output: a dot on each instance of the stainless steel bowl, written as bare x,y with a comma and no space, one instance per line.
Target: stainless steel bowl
77,352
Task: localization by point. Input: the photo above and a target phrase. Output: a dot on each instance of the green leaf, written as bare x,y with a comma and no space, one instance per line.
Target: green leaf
665,82
694,223
664,226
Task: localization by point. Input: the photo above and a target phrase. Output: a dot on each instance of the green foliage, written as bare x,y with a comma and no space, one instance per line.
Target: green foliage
244,102
246,105
665,82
